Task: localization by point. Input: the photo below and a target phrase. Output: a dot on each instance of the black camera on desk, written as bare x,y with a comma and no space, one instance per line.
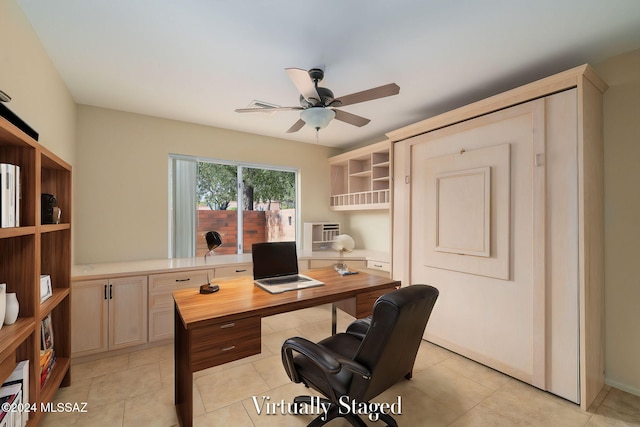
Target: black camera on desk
49,210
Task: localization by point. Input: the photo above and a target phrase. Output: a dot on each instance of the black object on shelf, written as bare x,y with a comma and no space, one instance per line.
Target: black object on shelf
47,203
17,121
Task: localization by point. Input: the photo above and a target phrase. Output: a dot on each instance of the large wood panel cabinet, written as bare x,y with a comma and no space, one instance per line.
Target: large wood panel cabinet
30,250
499,204
109,314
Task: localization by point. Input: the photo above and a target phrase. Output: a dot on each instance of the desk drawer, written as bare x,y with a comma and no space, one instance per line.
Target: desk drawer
237,270
225,342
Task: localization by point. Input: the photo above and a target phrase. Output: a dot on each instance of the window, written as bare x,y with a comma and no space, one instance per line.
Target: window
245,203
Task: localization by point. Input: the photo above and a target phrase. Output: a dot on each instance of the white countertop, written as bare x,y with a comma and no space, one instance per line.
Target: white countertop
153,266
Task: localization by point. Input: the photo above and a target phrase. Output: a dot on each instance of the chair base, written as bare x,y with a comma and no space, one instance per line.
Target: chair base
335,412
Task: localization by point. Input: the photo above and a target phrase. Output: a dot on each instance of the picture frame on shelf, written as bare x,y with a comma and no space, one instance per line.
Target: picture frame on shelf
47,333
45,288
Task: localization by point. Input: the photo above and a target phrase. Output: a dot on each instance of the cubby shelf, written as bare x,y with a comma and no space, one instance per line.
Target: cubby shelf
361,179
29,251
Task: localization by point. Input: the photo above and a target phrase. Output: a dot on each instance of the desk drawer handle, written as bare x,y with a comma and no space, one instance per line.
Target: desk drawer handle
183,280
228,348
228,325
241,271
377,265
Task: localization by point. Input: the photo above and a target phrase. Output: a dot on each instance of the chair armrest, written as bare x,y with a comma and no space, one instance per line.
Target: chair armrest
320,357
355,367
313,351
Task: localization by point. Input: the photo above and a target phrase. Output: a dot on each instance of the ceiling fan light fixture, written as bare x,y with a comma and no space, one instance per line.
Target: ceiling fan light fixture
317,117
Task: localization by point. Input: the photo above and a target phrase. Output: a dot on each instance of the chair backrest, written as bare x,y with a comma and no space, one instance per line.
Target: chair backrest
391,344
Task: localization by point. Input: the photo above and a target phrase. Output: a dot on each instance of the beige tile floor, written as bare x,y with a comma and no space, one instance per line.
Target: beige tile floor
136,389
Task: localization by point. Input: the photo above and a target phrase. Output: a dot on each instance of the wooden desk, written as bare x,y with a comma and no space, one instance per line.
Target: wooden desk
218,328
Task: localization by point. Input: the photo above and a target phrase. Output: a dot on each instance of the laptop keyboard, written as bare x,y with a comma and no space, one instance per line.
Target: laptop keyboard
281,280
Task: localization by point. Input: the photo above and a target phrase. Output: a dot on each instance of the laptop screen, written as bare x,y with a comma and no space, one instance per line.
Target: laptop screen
274,259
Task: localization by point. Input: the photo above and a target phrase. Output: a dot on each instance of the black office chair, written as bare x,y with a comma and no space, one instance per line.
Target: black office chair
372,355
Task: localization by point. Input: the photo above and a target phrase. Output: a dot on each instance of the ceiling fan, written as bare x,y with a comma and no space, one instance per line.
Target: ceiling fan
318,104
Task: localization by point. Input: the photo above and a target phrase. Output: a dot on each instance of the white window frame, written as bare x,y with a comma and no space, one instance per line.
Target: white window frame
240,166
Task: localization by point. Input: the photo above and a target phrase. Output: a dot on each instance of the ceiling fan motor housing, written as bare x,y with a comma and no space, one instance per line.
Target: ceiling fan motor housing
316,74
326,98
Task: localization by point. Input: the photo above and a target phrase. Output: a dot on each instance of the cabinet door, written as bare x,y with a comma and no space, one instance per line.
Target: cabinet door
127,312
160,324
161,288
89,317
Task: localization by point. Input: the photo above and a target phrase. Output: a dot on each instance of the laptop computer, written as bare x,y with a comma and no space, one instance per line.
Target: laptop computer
275,268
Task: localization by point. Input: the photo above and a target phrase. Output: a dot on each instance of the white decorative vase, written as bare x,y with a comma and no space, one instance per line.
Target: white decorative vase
3,302
12,309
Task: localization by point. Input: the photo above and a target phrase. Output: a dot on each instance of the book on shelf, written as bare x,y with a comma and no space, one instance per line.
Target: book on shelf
47,362
10,195
10,395
20,376
18,195
7,195
47,333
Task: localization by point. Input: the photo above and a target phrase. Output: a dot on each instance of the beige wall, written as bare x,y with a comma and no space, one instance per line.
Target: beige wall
622,219
40,97
121,191
371,230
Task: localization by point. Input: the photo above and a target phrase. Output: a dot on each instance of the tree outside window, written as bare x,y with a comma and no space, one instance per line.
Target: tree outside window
267,196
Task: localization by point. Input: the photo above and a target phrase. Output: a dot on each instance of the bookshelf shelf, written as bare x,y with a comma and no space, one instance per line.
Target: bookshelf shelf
30,250
59,294
6,233
52,384
12,336
48,228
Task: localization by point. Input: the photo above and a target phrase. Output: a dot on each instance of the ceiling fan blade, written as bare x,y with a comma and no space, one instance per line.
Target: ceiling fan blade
352,119
369,94
266,109
296,126
303,83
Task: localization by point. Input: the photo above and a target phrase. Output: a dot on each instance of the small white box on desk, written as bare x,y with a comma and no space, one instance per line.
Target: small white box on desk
45,288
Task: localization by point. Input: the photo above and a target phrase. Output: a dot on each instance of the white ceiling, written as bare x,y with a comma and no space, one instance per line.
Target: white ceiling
198,60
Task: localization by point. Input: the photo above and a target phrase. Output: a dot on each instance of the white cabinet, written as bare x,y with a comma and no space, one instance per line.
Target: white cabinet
161,288
108,314
89,317
361,179
523,290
